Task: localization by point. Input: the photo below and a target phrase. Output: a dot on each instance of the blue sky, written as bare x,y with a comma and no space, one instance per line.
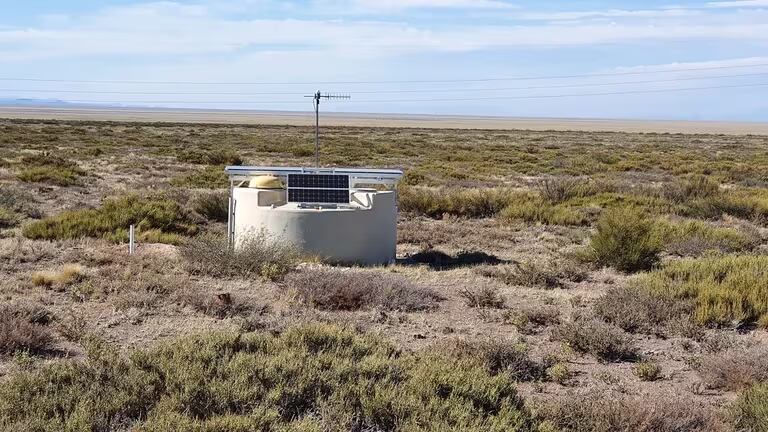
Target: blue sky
644,51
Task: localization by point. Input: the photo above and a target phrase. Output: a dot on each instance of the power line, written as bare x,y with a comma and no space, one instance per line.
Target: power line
146,93
520,78
628,92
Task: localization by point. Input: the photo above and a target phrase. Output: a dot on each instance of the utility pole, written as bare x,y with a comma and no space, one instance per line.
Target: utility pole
316,104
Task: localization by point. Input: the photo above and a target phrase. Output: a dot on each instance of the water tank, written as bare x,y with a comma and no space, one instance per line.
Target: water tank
340,215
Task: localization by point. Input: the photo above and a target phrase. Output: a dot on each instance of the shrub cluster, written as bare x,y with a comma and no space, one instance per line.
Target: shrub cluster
723,289
604,341
15,205
214,206
637,310
47,168
750,412
497,356
530,274
352,290
598,412
220,156
210,177
735,370
157,219
482,297
24,330
469,203
259,257
308,378
695,238
625,240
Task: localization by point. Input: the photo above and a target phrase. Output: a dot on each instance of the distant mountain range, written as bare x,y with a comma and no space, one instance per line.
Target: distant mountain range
51,103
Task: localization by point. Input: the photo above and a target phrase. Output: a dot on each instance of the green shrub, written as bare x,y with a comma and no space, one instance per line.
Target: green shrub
695,238
470,203
559,373
539,211
750,411
8,218
692,188
214,206
648,371
604,341
313,377
497,356
625,240
352,290
46,168
210,177
260,257
222,156
152,215
724,289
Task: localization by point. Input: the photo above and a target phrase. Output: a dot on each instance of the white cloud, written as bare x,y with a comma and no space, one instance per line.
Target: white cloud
738,4
411,4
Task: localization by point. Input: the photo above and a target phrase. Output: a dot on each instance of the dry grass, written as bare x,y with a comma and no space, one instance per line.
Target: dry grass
68,274
497,356
750,412
615,413
352,290
637,310
533,274
735,370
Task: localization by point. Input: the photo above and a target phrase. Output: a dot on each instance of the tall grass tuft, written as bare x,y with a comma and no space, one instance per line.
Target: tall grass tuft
469,203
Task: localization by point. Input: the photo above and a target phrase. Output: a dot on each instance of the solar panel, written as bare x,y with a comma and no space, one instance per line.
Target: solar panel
318,188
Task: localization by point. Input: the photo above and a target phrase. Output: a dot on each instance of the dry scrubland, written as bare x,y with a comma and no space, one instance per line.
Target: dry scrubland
548,281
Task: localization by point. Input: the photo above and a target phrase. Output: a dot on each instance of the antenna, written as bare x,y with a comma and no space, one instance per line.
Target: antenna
316,103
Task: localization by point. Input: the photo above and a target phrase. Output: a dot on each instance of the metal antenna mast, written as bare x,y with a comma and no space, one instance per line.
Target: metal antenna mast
316,103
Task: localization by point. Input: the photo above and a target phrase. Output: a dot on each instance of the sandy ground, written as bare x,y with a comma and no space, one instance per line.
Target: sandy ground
382,120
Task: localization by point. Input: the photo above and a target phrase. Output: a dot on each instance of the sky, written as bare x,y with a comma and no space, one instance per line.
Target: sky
675,59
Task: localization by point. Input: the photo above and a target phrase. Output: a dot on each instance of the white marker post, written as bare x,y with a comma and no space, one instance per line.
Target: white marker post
131,242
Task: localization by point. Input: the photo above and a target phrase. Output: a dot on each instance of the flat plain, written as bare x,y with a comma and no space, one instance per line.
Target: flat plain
546,280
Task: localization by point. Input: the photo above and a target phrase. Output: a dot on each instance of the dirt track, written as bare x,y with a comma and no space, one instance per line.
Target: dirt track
381,120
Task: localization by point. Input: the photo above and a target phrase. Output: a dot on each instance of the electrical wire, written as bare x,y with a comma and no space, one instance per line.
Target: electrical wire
521,78
628,92
606,84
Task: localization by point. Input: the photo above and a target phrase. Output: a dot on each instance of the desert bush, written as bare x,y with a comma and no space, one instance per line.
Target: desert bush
540,211
260,256
482,297
313,377
497,356
529,274
220,156
625,240
604,341
528,320
559,189
151,215
210,177
750,412
637,310
734,370
22,331
598,412
16,204
725,289
351,290
214,206
559,373
46,168
647,371
694,187
469,203
695,238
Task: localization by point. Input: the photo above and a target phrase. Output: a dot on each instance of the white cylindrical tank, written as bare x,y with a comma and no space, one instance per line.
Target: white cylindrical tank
363,232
